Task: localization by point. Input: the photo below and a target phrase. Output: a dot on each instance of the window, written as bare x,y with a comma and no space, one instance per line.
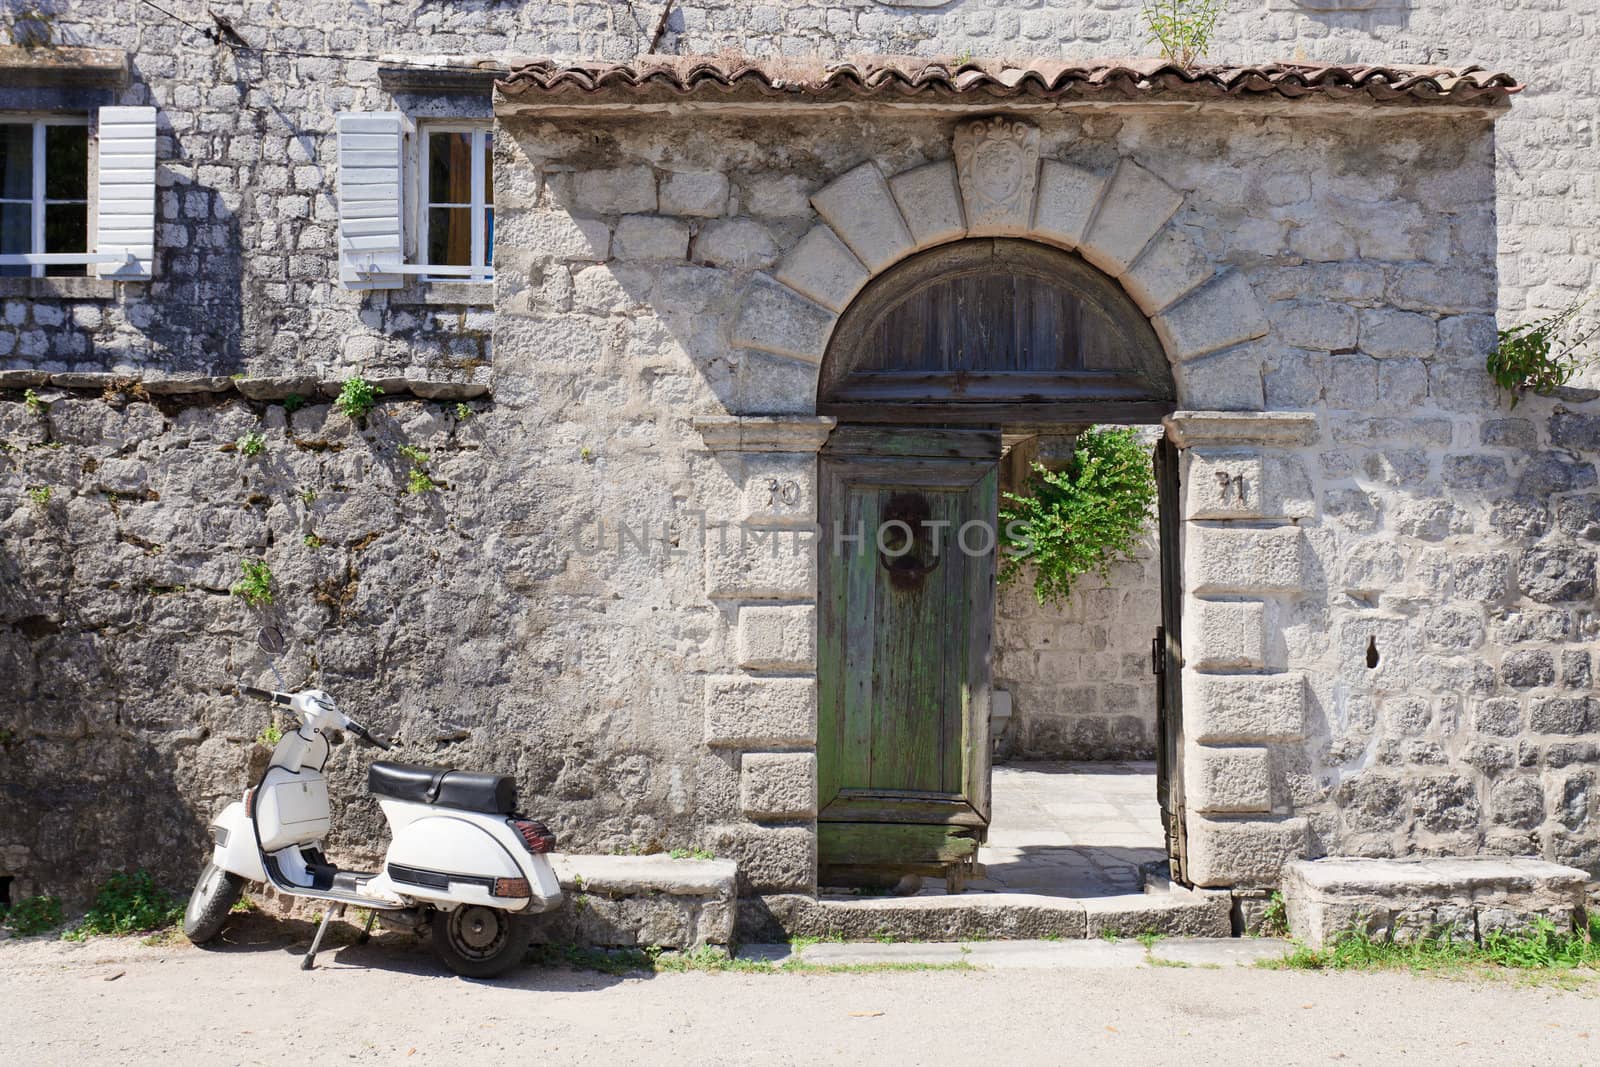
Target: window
44,191
456,224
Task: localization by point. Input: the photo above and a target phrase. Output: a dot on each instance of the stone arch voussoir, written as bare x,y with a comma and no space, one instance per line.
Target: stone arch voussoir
1122,222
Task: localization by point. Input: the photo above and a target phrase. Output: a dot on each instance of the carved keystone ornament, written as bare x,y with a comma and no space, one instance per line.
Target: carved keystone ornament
997,160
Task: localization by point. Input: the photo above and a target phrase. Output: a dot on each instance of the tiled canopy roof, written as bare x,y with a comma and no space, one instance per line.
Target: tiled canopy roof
891,77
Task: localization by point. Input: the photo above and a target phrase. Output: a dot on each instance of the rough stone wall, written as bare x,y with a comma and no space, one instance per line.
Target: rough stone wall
1079,673
1370,243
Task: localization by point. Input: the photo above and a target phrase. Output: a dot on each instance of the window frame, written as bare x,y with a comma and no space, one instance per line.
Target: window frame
482,256
40,121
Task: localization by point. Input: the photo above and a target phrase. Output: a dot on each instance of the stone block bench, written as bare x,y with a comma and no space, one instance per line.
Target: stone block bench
1464,899
641,901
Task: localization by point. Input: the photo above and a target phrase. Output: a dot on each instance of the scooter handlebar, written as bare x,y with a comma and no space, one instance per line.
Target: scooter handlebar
265,694
366,735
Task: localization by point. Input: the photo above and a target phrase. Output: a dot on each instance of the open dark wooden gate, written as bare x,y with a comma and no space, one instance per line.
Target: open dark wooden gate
927,367
1167,662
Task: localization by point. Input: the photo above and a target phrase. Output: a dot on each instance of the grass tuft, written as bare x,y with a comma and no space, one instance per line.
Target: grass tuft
128,904
1544,947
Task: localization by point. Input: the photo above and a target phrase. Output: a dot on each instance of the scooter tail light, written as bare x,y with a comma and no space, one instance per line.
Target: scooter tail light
250,803
535,835
512,887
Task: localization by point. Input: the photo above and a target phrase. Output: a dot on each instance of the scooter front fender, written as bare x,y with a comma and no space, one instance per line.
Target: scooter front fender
234,843
456,858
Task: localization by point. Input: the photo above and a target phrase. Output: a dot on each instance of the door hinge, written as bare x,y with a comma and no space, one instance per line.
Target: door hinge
1158,657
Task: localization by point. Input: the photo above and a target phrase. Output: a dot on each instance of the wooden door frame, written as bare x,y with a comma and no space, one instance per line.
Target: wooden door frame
1169,716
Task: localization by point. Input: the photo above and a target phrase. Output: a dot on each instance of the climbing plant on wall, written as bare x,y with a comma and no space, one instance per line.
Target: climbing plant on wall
1084,517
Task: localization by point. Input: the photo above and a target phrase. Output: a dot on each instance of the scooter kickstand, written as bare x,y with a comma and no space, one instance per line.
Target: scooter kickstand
316,942
366,931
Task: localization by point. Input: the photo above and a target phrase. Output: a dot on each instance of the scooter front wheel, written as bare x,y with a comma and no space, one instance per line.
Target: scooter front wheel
215,893
479,942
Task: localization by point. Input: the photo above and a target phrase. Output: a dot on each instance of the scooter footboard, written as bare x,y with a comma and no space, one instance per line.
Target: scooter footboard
468,859
234,844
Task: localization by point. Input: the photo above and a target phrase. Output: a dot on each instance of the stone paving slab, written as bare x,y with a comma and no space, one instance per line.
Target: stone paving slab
1069,829
1033,955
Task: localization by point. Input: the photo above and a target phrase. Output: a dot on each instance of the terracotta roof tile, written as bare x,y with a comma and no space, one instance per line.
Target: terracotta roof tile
712,77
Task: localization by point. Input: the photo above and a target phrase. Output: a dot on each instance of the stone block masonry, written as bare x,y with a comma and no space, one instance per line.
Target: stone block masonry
1404,900
1079,673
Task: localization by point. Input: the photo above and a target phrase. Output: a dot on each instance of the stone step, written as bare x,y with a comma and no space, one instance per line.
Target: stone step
1464,899
1169,911
643,901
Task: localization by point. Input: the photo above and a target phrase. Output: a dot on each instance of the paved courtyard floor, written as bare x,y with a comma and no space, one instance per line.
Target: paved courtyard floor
1069,829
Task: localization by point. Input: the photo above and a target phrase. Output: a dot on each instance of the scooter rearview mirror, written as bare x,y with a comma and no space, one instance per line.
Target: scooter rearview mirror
270,638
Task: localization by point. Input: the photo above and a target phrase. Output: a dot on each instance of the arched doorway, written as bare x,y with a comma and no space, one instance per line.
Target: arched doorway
935,364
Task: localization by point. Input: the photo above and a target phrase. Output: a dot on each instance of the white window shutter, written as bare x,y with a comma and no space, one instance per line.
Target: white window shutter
371,205
125,194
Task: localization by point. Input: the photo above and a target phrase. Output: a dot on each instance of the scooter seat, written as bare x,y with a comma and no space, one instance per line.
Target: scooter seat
492,794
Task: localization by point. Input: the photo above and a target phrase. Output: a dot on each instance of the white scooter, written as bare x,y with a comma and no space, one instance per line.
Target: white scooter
461,859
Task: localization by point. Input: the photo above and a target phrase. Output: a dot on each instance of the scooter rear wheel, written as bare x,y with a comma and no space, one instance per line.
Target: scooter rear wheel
479,942
216,891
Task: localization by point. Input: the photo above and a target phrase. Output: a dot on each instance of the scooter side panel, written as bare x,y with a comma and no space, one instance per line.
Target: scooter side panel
541,877
235,846
461,844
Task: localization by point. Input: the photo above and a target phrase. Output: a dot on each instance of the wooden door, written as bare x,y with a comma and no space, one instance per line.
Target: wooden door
906,607
1167,661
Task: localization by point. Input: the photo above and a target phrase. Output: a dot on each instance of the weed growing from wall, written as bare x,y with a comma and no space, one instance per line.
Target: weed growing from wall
1540,357
417,479
357,398
36,404
256,586
251,444
1181,28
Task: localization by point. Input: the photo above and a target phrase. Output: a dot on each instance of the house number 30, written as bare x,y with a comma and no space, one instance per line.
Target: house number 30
784,492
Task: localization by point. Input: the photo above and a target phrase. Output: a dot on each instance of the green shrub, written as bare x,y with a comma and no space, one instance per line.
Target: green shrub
129,904
463,413
256,586
1084,517
251,444
293,403
40,495
33,915
36,404
357,398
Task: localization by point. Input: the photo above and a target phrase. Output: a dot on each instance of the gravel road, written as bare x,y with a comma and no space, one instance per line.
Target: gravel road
118,1001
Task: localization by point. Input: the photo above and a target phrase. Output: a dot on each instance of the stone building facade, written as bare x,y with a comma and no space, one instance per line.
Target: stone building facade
1389,574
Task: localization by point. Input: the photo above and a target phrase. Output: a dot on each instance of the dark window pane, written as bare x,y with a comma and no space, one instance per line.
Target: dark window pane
66,229
66,162
16,235
450,168
16,162
488,235
488,168
450,235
